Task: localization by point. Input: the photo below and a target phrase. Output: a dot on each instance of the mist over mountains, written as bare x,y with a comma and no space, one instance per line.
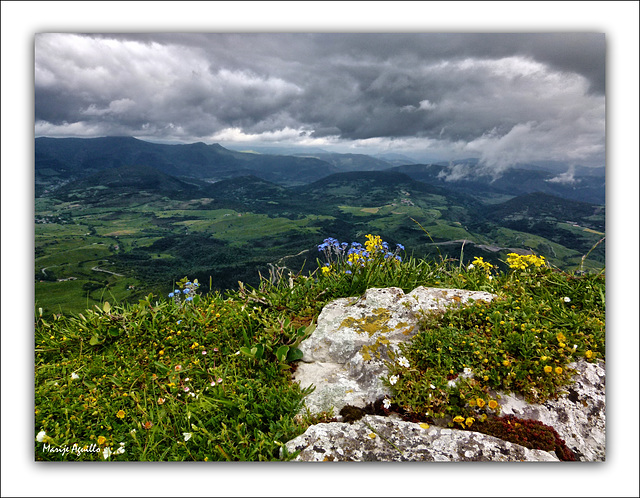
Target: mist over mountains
61,160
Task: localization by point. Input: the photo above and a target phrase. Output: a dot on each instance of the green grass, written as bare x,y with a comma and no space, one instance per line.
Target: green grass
209,378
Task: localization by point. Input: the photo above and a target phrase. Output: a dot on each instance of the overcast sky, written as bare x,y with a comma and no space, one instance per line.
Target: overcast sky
504,98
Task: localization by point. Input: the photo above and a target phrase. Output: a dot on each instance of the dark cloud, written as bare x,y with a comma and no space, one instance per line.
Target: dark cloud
503,97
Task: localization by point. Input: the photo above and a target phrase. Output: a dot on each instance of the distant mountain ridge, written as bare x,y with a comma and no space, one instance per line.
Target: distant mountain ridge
62,160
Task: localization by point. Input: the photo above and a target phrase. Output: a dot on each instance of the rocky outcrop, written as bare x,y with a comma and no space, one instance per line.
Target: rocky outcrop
345,357
376,438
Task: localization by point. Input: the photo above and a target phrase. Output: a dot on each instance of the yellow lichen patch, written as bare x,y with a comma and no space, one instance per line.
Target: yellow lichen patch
369,324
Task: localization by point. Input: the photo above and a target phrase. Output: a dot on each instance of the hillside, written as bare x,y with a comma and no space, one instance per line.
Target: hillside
73,158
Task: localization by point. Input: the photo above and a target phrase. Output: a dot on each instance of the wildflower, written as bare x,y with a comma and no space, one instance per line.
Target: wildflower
101,440
147,425
120,414
493,404
189,299
567,299
204,352
458,419
588,354
470,267
186,389
432,386
75,376
403,362
42,436
161,401
400,247
106,453
187,436
560,337
219,380
177,368
372,435
506,363
558,370
548,369
386,403
469,422
393,379
480,402
120,450
179,322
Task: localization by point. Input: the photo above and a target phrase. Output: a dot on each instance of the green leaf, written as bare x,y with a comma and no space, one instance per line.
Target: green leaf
114,332
248,352
294,354
106,307
95,340
281,353
161,366
259,351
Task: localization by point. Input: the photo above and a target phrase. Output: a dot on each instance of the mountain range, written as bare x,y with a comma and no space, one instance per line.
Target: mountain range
58,161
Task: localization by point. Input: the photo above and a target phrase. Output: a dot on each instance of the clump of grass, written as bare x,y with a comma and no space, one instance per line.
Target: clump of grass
207,377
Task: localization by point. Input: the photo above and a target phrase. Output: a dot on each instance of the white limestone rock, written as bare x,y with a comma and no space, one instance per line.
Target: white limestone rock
376,438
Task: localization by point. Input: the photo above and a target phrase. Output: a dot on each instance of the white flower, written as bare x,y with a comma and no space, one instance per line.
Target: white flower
393,379
75,376
432,386
132,431
41,436
106,453
120,450
470,267
403,362
386,403
467,371
567,299
187,435
490,277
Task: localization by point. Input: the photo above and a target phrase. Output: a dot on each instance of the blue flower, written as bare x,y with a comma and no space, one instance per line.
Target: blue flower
186,291
177,291
348,272
179,322
171,294
189,299
399,258
400,246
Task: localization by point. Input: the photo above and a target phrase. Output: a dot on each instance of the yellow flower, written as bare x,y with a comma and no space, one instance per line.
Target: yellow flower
458,419
493,404
424,426
480,402
547,369
469,422
325,270
506,363
120,414
558,370
472,402
101,440
588,354
560,336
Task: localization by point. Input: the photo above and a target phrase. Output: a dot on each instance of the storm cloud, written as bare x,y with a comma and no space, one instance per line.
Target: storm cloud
504,98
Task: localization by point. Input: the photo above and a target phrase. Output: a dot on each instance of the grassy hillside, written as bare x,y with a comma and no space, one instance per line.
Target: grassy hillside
194,376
